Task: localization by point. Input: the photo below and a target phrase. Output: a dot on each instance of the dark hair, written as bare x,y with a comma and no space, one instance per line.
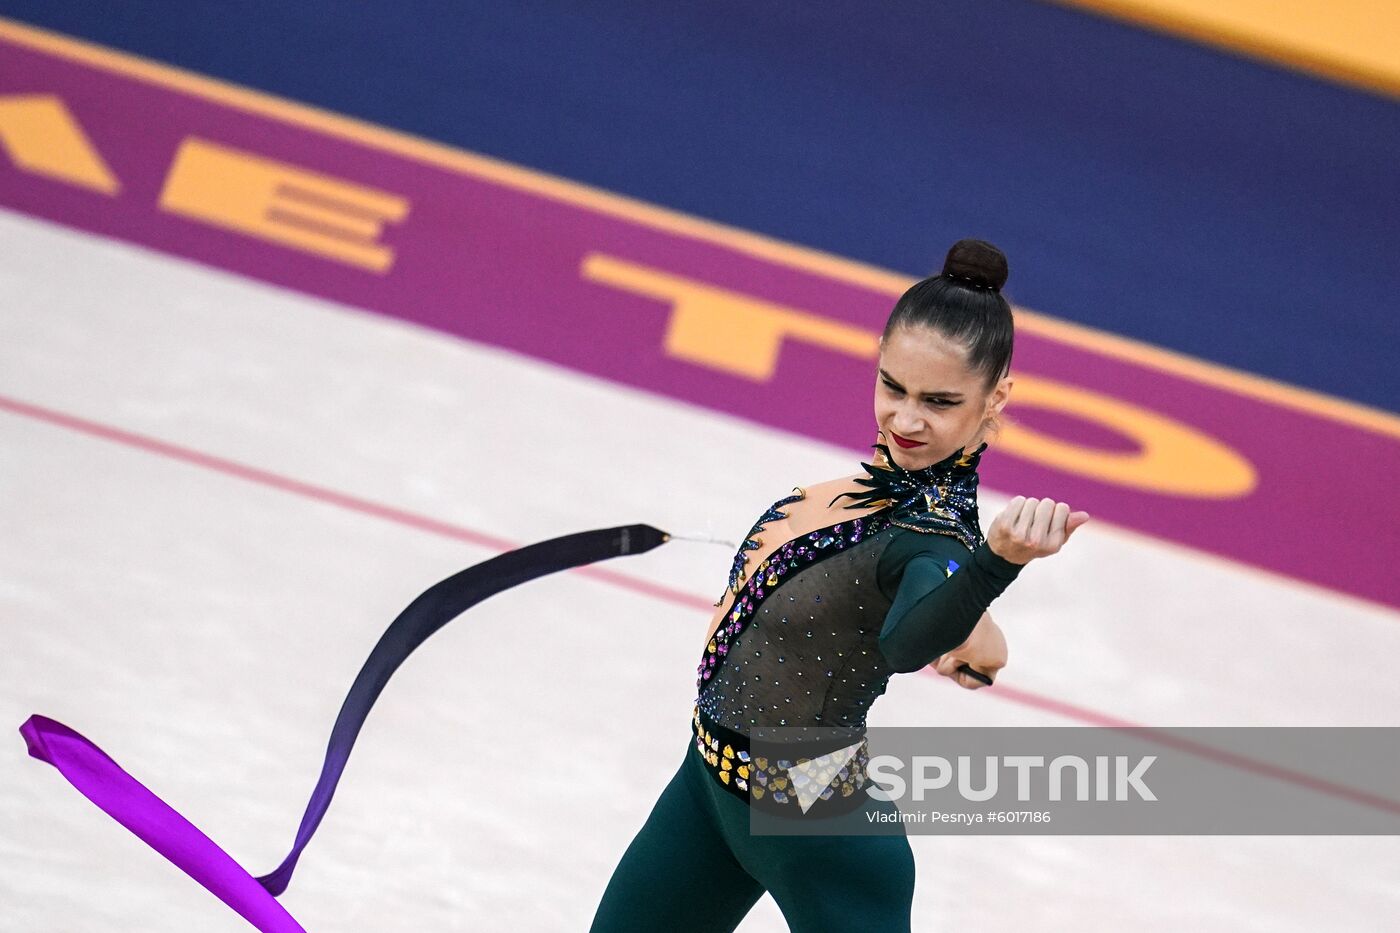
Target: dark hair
964,303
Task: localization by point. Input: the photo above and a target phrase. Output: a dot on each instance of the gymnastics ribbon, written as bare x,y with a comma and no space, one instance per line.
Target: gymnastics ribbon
130,803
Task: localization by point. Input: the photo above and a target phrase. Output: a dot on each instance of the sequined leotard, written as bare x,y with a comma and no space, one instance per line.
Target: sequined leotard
814,632
818,627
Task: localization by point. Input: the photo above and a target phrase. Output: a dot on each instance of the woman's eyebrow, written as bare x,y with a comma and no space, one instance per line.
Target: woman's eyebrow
892,381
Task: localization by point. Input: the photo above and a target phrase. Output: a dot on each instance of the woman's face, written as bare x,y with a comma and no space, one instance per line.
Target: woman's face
925,392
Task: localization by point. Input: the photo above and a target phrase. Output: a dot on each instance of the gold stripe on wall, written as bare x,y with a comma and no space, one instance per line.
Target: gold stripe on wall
1356,42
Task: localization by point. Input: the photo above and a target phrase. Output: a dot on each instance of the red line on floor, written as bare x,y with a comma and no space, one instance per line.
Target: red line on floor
321,494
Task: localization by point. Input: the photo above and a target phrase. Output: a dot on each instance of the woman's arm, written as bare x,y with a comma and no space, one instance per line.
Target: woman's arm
940,599
943,590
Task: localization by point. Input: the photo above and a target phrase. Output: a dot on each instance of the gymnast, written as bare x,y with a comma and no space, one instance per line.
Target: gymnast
824,603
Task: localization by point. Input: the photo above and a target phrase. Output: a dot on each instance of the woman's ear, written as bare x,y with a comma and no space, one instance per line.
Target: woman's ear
1000,396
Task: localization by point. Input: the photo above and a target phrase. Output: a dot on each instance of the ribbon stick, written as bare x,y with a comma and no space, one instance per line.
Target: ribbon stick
102,781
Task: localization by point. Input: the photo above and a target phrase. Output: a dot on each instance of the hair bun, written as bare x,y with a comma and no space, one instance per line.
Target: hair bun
978,263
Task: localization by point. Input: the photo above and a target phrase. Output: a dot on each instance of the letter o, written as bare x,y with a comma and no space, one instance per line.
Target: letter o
1174,458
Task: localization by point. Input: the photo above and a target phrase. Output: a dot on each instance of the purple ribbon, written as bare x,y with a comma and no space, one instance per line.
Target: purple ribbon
130,803
101,780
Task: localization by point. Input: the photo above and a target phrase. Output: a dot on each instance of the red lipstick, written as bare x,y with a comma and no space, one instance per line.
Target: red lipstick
904,441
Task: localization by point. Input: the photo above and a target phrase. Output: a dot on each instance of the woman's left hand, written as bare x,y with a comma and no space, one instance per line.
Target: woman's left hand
1031,528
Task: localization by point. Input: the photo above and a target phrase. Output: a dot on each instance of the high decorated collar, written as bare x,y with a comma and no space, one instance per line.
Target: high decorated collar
937,499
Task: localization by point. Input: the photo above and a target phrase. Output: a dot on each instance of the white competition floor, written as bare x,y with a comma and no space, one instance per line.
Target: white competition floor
215,494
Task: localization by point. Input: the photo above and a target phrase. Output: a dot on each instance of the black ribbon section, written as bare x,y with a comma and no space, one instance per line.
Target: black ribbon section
437,606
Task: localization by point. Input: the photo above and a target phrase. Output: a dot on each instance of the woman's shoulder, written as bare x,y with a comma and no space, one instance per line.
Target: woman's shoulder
905,544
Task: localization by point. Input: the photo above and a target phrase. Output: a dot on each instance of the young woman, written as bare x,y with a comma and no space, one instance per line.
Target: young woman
826,600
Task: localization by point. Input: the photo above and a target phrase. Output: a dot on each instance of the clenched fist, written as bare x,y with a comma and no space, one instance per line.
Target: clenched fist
1031,528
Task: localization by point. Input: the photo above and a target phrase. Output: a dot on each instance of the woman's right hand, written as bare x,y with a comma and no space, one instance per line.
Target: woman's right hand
984,651
1031,528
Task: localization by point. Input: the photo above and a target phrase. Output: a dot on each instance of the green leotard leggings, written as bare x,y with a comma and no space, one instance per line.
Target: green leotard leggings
694,867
